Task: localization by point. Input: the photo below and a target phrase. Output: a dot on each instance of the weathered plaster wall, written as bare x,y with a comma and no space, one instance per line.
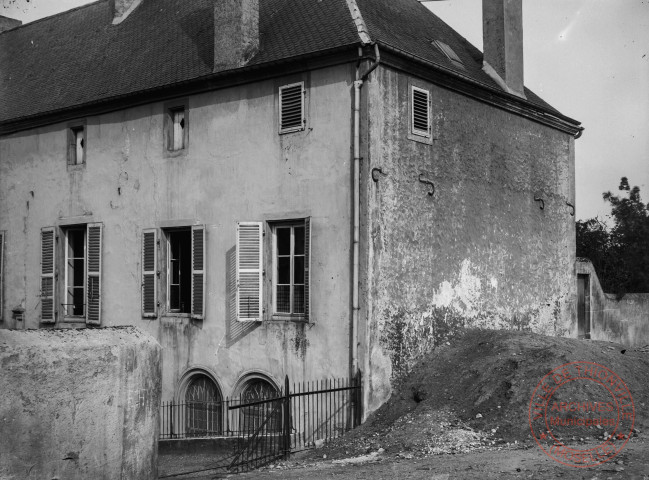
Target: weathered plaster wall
79,404
236,168
624,321
479,252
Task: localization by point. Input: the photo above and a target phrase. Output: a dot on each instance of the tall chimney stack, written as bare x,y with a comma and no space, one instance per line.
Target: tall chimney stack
236,33
7,23
502,32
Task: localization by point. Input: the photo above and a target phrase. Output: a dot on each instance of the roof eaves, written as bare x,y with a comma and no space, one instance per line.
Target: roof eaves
222,79
499,97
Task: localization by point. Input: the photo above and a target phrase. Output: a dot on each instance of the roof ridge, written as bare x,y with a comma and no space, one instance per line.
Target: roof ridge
49,17
357,18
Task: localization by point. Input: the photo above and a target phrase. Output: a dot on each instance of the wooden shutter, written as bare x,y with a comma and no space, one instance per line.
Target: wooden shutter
249,271
291,108
198,272
93,273
48,275
420,107
2,244
307,268
149,273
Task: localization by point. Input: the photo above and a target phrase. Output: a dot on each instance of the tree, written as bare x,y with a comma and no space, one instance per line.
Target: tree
620,254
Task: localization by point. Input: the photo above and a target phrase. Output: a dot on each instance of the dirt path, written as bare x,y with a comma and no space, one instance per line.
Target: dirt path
632,463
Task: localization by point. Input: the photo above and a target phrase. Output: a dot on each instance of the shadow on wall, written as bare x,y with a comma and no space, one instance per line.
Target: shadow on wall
624,321
235,330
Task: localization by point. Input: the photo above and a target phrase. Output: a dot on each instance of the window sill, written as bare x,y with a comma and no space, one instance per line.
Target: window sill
288,317
175,153
177,314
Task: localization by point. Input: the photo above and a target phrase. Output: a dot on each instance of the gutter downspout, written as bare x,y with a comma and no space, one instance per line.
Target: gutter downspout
358,83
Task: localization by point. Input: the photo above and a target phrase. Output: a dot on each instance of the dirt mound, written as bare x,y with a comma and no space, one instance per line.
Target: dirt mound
475,391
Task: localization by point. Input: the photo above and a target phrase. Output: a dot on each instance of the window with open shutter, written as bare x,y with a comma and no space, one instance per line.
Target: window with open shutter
149,273
291,108
93,274
48,275
420,112
249,271
198,272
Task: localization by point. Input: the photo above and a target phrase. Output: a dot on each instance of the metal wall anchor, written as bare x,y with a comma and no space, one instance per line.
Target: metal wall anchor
572,212
424,180
375,174
539,199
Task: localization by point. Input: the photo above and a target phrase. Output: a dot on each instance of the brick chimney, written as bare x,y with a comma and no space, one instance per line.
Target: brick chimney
122,9
502,32
7,23
236,33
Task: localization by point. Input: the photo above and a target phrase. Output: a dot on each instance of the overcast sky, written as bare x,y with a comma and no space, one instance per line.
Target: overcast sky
587,58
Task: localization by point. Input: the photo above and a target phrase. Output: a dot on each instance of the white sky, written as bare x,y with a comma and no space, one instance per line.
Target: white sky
587,58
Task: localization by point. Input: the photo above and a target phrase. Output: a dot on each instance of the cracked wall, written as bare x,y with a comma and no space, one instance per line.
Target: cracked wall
478,253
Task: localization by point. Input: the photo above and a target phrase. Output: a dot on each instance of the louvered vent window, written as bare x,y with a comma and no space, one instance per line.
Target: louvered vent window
420,109
291,108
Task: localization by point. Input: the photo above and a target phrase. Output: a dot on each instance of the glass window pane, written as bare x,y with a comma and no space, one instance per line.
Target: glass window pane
283,241
174,297
283,270
299,240
298,270
298,299
79,272
284,298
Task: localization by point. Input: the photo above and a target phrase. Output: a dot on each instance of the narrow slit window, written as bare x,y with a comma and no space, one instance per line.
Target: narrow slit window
291,108
77,147
420,112
178,129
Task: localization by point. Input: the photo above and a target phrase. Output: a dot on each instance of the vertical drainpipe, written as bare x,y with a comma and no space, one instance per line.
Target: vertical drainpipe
358,83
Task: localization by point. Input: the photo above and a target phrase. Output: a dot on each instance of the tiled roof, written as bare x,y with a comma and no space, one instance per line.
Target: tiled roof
78,57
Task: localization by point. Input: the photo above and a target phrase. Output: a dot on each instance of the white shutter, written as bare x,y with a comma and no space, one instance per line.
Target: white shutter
307,268
93,273
249,271
48,275
420,112
291,108
198,272
149,273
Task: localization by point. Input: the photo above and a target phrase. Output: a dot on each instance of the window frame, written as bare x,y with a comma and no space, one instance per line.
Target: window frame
170,109
65,258
274,226
303,122
168,232
72,133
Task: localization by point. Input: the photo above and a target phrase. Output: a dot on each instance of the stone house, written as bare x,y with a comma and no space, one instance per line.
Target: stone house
280,187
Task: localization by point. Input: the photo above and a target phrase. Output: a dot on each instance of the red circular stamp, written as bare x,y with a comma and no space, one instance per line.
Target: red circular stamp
577,400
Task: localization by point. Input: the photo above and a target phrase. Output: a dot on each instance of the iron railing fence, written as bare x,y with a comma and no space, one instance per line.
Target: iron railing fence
300,415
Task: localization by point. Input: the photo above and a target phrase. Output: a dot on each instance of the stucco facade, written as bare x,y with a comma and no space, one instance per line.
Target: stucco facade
236,168
480,251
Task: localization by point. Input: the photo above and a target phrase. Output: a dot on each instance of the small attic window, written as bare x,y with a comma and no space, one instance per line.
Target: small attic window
291,108
176,131
420,112
449,53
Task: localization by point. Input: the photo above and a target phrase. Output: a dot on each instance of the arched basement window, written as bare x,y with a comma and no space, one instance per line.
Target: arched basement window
204,408
254,416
